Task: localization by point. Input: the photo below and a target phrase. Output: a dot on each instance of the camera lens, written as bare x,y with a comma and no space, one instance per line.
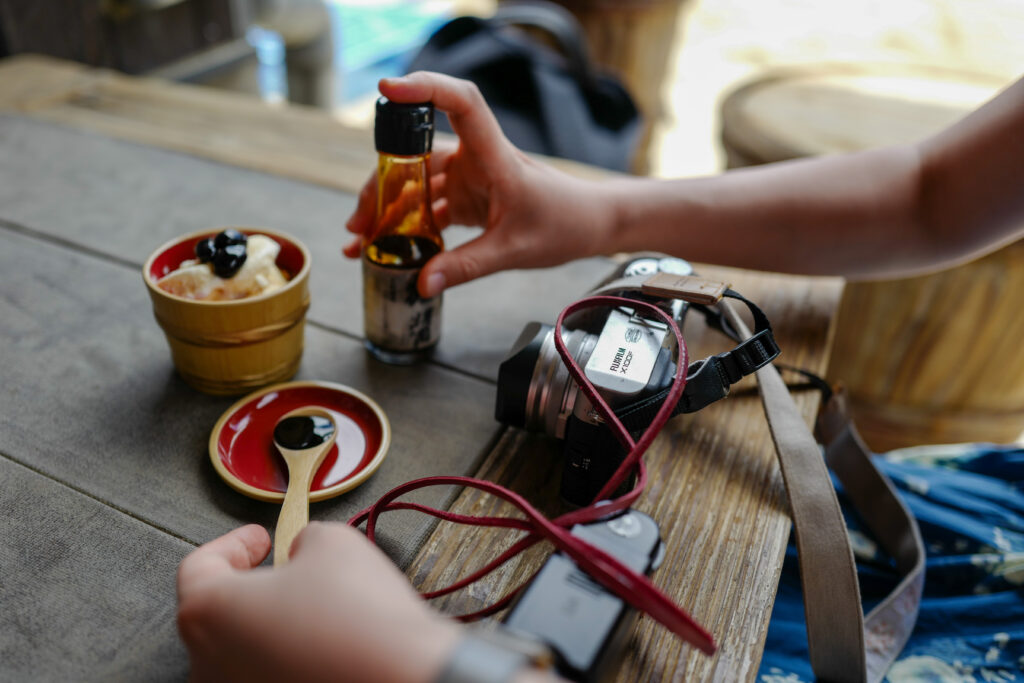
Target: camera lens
514,375
535,391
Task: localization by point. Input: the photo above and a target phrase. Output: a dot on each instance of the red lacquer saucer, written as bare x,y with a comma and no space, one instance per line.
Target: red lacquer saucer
242,443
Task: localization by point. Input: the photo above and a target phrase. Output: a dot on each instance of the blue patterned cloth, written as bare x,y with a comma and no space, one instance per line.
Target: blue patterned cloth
969,503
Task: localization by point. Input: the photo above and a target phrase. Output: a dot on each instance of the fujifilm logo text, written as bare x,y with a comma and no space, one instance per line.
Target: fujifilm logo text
621,361
617,361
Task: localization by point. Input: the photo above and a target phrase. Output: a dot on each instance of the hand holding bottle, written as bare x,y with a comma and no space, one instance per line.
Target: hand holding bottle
891,212
532,214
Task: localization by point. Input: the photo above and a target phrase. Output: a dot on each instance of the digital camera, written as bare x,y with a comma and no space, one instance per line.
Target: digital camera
628,357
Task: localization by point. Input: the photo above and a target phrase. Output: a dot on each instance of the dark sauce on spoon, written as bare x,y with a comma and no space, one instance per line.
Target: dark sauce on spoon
302,432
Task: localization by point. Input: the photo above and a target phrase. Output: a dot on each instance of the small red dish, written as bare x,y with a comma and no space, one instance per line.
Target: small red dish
242,443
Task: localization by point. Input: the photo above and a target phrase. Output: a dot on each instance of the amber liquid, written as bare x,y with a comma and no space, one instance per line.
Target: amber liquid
403,213
401,326
402,251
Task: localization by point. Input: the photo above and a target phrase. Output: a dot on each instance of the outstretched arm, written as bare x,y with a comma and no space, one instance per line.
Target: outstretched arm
885,212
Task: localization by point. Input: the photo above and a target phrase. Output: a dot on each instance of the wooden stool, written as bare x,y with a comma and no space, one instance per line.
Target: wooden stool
932,359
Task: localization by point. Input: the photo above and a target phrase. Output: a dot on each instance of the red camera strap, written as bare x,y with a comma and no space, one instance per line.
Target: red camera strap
634,588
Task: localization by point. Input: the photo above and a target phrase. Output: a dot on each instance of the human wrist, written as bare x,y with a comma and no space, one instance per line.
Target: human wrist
498,656
617,200
416,651
431,654
669,216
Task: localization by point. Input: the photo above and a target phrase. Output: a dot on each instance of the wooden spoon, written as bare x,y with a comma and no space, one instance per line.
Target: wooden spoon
303,436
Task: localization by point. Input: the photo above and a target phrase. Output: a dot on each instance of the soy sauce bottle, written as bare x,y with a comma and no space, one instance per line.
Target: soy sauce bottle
401,327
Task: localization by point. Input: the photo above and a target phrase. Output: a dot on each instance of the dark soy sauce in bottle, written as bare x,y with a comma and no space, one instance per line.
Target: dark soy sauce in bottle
401,326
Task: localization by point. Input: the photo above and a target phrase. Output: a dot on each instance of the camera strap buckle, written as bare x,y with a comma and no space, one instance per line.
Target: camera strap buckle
748,357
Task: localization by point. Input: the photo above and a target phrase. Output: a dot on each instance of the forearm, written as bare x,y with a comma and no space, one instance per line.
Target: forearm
888,212
854,215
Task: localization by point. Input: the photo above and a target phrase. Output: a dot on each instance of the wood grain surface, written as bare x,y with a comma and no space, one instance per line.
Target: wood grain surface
124,200
92,400
88,592
298,142
98,169
835,108
945,364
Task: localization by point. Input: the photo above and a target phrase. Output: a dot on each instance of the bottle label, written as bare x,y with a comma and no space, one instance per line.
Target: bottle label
396,317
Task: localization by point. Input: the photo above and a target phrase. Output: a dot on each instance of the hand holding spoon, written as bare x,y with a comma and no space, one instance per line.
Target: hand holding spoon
303,437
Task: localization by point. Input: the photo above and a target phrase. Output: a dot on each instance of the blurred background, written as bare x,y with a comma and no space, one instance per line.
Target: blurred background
680,59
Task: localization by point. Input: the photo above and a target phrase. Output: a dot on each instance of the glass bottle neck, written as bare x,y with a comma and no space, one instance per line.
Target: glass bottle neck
404,232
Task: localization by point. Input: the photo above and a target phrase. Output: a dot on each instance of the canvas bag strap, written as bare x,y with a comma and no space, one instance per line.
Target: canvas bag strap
843,645
888,626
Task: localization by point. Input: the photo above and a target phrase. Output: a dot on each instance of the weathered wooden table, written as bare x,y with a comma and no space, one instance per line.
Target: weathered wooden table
106,483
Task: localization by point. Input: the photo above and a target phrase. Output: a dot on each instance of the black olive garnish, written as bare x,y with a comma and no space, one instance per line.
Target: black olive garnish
226,252
228,237
205,250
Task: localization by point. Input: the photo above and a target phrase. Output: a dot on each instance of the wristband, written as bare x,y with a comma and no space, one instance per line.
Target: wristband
493,657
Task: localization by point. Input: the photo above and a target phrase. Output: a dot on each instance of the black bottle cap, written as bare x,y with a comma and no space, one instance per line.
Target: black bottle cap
404,129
